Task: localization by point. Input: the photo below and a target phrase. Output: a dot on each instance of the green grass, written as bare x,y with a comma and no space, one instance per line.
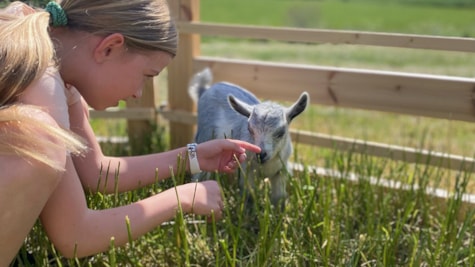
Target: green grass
327,221
385,16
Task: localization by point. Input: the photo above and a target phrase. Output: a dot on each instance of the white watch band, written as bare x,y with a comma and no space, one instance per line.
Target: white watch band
193,159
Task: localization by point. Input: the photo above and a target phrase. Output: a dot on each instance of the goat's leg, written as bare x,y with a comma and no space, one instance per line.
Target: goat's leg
248,189
278,190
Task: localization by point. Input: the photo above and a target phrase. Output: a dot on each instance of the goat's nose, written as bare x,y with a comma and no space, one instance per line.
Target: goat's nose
262,157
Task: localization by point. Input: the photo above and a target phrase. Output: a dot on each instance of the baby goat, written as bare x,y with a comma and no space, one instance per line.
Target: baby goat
226,110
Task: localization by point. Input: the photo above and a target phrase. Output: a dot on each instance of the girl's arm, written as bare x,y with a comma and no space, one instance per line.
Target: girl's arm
78,231
136,171
25,186
133,171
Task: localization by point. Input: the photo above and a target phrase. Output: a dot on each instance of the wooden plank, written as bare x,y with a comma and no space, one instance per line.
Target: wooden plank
180,70
402,153
331,36
179,116
145,113
444,97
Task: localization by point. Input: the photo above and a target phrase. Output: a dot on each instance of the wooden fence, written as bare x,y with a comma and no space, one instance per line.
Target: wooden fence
437,96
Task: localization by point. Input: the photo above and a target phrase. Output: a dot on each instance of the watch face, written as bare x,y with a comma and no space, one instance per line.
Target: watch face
191,148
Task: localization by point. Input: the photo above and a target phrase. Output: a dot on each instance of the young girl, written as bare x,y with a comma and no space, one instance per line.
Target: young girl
105,51
33,149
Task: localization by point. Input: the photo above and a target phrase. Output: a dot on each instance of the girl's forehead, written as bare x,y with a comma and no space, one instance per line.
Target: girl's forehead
158,60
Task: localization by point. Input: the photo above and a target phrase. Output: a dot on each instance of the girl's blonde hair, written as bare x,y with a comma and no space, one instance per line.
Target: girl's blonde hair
26,51
145,24
23,134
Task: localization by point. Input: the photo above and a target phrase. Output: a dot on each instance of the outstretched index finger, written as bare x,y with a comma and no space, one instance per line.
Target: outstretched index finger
246,145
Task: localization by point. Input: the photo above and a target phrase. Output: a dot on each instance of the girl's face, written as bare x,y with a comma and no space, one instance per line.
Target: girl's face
103,69
123,77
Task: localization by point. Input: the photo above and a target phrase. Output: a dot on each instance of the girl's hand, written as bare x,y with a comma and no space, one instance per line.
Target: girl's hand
203,198
223,155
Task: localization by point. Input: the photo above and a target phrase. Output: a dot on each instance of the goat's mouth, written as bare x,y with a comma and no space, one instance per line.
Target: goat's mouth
262,157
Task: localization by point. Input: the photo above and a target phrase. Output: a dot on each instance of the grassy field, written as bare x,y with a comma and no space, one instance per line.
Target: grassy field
384,15
399,16
327,221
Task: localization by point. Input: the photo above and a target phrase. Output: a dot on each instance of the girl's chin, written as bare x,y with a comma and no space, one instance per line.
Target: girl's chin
103,107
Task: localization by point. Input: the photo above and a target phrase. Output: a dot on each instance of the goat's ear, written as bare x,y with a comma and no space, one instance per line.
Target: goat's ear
297,107
239,106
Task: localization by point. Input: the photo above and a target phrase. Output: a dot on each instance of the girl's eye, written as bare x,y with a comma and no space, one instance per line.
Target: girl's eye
151,75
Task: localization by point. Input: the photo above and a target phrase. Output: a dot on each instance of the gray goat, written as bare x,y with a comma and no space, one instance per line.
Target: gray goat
226,110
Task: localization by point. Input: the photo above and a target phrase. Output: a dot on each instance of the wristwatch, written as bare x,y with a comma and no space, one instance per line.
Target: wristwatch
193,158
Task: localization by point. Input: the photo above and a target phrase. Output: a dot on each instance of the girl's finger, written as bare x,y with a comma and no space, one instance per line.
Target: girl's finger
246,145
242,157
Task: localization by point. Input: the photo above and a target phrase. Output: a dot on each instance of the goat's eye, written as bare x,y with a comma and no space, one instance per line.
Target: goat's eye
279,133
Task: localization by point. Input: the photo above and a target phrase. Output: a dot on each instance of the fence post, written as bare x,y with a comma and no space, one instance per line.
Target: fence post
181,69
140,131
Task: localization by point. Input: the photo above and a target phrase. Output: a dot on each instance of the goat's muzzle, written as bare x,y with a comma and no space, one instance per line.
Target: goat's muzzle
262,157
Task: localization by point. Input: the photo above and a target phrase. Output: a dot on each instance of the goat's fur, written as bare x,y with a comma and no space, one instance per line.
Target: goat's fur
226,110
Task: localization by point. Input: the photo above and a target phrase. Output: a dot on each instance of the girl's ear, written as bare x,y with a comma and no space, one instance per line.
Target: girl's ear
108,47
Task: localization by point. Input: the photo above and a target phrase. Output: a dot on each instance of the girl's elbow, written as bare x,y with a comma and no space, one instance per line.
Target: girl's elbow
68,248
71,249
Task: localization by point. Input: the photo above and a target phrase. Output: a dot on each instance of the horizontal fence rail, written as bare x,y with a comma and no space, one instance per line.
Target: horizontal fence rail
401,153
330,36
394,152
413,94
124,113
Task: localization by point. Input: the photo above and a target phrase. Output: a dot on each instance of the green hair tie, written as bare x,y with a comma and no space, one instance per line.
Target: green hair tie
58,16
